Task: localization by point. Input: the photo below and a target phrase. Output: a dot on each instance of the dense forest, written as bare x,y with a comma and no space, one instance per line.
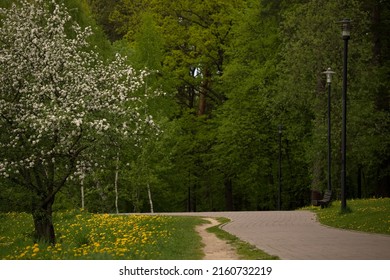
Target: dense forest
232,87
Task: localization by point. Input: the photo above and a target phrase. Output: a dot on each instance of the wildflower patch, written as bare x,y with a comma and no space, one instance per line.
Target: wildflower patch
101,236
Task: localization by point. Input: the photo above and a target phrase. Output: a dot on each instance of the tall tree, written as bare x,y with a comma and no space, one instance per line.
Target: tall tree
57,101
149,44
245,151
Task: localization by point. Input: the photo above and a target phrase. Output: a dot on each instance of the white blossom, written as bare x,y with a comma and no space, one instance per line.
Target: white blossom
54,93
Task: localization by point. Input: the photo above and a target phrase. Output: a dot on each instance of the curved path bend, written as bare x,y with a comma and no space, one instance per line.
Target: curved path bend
297,235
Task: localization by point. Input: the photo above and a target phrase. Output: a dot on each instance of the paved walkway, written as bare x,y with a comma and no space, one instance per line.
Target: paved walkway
296,235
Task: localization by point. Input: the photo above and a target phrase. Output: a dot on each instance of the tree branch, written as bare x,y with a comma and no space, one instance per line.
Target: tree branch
57,187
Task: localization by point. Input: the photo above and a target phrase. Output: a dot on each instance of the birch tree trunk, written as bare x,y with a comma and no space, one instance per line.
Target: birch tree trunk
150,198
82,193
116,183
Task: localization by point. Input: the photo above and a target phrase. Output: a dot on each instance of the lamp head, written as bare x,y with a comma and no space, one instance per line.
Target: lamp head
328,74
346,28
280,128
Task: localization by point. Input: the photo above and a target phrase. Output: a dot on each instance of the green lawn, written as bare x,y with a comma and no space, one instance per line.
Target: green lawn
368,215
82,235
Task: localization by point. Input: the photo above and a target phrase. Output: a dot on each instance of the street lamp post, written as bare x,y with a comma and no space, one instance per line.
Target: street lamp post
280,127
329,73
346,31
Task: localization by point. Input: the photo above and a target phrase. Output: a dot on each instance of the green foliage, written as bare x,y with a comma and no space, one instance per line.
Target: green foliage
82,14
258,64
246,147
13,197
148,46
231,72
6,3
101,11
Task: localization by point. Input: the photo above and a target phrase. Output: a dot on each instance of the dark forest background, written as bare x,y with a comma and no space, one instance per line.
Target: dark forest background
231,72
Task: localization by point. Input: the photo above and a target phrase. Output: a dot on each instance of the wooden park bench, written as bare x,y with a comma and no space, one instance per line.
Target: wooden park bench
326,199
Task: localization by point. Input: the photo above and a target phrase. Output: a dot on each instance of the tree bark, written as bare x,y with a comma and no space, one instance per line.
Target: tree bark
82,193
43,222
202,104
150,198
41,184
116,183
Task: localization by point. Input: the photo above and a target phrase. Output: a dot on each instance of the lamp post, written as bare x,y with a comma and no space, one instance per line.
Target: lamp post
328,74
280,127
346,31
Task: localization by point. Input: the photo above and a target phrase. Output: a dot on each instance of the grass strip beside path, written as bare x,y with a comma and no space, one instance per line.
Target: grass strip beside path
245,250
367,215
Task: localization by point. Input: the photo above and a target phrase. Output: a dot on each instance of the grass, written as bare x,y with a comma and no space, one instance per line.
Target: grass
367,215
245,250
82,235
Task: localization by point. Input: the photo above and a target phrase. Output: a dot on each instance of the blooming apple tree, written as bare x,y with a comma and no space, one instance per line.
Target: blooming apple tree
58,100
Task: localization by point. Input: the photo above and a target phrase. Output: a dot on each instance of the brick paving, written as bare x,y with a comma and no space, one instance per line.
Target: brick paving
296,235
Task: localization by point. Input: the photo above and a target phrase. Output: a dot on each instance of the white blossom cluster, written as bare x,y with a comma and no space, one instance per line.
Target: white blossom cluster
56,96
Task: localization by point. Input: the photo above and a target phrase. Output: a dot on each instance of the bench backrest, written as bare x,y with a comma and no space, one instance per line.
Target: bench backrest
327,195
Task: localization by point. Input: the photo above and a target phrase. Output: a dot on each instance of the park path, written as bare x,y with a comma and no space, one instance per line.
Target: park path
297,235
215,248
